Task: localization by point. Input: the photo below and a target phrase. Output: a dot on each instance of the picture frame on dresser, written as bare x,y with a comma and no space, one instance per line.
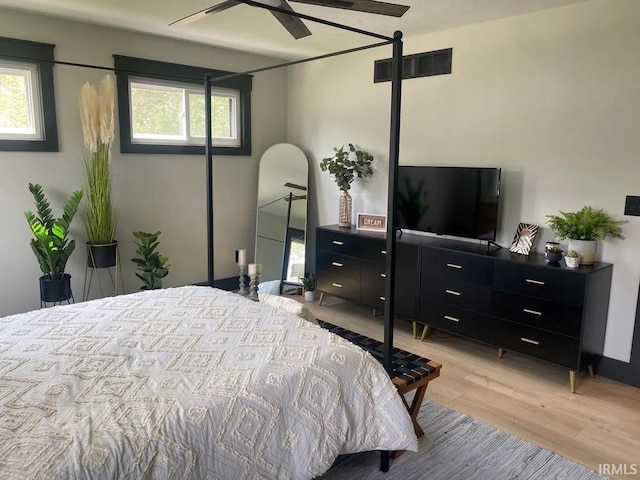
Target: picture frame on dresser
523,239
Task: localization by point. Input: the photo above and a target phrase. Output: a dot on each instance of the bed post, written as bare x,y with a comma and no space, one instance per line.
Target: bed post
394,148
209,160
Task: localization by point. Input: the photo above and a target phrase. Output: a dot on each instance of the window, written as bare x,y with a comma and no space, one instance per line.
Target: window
27,102
162,109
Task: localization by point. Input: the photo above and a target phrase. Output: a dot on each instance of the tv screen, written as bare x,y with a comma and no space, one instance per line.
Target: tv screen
456,201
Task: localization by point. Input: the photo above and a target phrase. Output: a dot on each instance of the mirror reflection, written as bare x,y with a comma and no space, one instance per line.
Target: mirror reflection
281,217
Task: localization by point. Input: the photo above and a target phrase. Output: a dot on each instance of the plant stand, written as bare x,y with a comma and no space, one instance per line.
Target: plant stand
93,266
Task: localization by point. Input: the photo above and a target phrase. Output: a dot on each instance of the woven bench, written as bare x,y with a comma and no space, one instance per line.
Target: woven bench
411,372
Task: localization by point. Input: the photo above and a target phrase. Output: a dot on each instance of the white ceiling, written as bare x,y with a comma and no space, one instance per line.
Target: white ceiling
254,29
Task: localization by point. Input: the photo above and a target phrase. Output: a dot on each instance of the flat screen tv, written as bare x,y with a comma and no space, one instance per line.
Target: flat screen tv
456,201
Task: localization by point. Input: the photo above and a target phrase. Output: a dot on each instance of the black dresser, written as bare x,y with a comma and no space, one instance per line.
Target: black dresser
516,303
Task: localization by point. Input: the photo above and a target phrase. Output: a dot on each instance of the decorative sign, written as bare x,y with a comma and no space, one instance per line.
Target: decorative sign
372,222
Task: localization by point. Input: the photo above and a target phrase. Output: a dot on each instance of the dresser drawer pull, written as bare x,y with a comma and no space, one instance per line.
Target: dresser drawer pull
383,299
453,319
383,252
532,312
337,285
336,264
528,340
383,275
536,282
453,292
453,265
336,242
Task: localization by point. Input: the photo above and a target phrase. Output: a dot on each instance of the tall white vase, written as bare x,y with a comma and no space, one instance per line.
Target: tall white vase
587,250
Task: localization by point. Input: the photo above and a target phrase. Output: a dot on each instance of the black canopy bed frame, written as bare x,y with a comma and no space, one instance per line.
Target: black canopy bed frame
394,146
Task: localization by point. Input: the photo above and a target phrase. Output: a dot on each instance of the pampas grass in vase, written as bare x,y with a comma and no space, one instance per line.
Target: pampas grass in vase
97,117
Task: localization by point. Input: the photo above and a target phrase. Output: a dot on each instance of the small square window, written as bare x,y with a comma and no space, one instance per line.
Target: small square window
27,105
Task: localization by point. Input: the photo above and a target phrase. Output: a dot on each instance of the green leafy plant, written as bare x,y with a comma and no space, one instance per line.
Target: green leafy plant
152,265
51,244
585,224
309,283
96,112
348,164
554,249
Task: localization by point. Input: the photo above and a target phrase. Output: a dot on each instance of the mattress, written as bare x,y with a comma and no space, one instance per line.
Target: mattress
186,383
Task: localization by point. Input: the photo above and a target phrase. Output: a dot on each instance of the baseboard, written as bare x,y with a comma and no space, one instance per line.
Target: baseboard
620,371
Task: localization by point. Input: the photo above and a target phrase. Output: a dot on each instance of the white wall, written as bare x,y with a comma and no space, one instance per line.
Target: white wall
154,192
551,97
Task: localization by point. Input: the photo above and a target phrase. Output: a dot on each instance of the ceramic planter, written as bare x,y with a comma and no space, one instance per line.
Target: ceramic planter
310,295
586,248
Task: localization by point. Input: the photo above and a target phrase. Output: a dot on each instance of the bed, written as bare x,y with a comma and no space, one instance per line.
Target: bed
186,383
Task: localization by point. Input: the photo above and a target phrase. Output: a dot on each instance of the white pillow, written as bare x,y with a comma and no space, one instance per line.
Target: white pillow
287,305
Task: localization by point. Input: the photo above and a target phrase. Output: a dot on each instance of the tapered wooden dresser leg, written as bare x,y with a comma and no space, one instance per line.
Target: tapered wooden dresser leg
591,371
572,381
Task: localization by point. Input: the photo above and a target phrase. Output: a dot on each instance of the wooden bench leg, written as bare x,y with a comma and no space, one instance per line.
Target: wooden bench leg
413,410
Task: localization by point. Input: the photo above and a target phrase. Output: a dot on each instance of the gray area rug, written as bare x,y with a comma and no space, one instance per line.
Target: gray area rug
458,447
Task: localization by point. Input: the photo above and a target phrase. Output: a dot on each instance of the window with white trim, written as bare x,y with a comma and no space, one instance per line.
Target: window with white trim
174,113
27,105
161,108
20,106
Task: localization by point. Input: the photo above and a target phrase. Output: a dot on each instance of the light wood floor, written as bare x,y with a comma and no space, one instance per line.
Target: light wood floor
598,424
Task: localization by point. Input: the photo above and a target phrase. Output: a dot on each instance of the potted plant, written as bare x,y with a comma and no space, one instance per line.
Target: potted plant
152,265
572,259
96,113
554,254
583,229
309,287
346,165
51,244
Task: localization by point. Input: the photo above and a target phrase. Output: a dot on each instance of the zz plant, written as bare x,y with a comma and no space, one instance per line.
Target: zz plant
152,265
51,244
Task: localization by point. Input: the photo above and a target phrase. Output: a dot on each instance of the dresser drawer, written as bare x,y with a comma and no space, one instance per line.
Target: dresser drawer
404,306
336,242
339,264
536,343
556,317
374,273
339,286
375,249
455,320
457,266
550,283
456,292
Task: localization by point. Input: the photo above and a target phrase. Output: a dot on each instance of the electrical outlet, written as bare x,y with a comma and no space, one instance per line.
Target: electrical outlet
632,206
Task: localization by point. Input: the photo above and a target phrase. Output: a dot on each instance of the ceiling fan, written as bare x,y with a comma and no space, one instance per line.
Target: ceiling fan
293,24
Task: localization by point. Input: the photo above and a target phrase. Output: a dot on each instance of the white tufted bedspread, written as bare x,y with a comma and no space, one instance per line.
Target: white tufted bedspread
186,383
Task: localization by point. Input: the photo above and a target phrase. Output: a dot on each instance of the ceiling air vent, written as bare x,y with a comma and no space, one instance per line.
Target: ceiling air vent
424,64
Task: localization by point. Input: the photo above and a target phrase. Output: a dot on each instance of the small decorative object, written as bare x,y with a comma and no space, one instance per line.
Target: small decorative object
572,259
51,244
523,239
550,245
346,165
583,229
309,286
372,222
241,260
554,254
152,264
255,271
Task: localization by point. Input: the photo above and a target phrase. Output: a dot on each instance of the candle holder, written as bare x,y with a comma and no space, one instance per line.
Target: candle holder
254,280
243,289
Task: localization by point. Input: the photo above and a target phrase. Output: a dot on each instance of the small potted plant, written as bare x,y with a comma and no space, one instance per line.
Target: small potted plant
51,244
554,254
309,287
153,266
346,165
583,229
572,259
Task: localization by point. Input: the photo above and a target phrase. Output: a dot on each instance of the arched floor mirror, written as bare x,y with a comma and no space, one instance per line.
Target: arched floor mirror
281,222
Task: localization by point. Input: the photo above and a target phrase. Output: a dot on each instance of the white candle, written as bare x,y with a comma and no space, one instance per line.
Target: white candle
241,257
255,269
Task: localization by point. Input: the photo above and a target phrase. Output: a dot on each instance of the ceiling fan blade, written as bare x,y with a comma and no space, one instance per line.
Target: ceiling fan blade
294,25
203,13
368,6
